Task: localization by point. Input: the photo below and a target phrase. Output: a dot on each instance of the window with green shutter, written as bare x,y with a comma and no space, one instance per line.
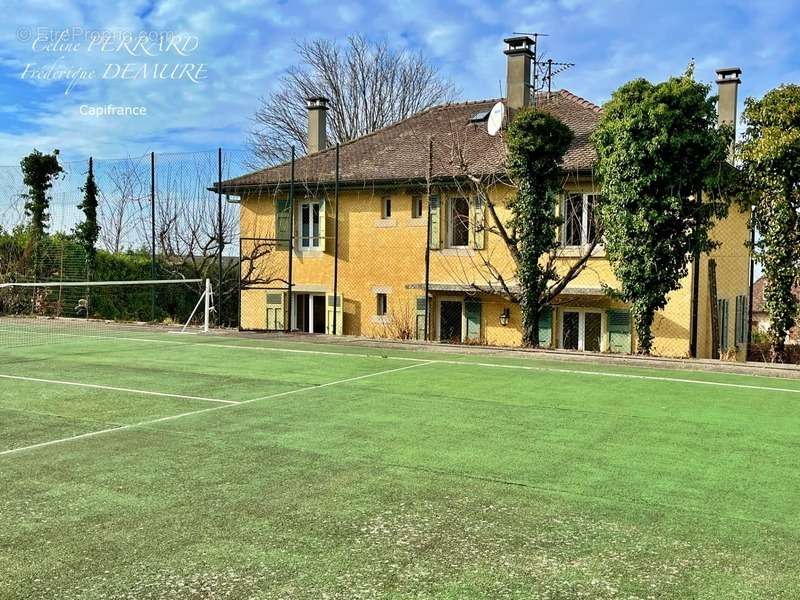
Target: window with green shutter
472,314
619,331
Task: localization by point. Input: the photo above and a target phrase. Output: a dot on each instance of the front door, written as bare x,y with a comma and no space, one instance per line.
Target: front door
450,321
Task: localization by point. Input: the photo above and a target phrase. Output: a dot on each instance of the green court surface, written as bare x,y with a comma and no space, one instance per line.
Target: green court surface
154,465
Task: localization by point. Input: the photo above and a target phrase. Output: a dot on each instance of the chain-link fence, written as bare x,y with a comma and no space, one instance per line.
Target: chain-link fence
426,259
159,218
290,249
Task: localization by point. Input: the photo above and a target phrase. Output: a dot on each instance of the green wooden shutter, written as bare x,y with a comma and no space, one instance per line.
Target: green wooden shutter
472,312
619,331
741,320
282,218
323,218
546,327
434,210
478,229
420,317
333,303
275,311
737,321
722,309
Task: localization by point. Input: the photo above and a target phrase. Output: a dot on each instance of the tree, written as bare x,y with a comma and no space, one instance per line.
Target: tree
369,86
536,143
87,232
38,172
530,266
659,150
770,155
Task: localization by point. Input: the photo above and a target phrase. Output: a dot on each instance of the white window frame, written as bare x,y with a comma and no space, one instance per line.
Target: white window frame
582,327
450,220
458,299
386,207
378,307
584,218
312,247
309,309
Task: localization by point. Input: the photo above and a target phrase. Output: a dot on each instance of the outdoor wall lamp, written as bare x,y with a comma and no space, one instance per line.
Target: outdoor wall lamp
504,316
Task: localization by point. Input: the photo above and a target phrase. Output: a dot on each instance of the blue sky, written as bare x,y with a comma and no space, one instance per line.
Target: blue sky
245,45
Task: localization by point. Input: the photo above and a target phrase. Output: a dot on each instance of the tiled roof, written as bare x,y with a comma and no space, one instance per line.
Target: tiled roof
399,152
758,294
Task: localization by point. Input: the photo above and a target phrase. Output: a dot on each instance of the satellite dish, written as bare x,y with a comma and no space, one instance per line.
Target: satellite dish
495,120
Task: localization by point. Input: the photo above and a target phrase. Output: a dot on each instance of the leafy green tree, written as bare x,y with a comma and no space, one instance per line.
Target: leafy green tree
537,142
770,155
659,150
87,232
38,172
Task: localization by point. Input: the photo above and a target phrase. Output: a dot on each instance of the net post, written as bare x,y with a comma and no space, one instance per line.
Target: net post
207,305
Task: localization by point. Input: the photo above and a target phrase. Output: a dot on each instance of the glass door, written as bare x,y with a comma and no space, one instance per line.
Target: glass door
571,330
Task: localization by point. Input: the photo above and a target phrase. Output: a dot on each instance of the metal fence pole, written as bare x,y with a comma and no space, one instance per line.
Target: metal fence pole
428,240
288,323
336,246
240,285
750,291
153,234
220,239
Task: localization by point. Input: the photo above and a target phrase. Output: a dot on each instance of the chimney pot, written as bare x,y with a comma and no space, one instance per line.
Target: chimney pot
317,138
728,88
518,74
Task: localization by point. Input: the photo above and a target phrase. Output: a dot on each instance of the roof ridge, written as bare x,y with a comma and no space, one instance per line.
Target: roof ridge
580,100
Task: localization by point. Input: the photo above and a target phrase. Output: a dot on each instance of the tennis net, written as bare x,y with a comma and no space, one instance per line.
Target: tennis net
45,312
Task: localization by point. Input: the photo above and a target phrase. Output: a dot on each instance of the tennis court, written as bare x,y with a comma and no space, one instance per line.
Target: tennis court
144,464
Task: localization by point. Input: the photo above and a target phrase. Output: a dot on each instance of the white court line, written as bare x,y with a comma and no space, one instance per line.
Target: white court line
457,362
115,389
202,410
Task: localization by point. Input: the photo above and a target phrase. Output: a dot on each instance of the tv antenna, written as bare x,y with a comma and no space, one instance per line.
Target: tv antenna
543,70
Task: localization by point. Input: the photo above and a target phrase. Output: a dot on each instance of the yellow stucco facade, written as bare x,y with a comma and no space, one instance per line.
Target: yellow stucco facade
381,274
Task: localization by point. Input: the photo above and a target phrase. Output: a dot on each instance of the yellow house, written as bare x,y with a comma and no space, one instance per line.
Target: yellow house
410,217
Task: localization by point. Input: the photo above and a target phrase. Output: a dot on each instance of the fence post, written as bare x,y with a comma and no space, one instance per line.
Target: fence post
336,247
288,319
220,239
750,291
425,334
153,234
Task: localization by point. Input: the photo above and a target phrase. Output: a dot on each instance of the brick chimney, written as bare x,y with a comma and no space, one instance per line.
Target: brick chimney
518,74
728,84
317,123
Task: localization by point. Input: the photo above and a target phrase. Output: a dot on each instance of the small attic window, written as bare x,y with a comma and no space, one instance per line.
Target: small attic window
479,117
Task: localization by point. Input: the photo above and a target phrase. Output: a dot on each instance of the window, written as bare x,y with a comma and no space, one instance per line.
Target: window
381,309
579,221
573,218
309,226
458,222
387,208
416,207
